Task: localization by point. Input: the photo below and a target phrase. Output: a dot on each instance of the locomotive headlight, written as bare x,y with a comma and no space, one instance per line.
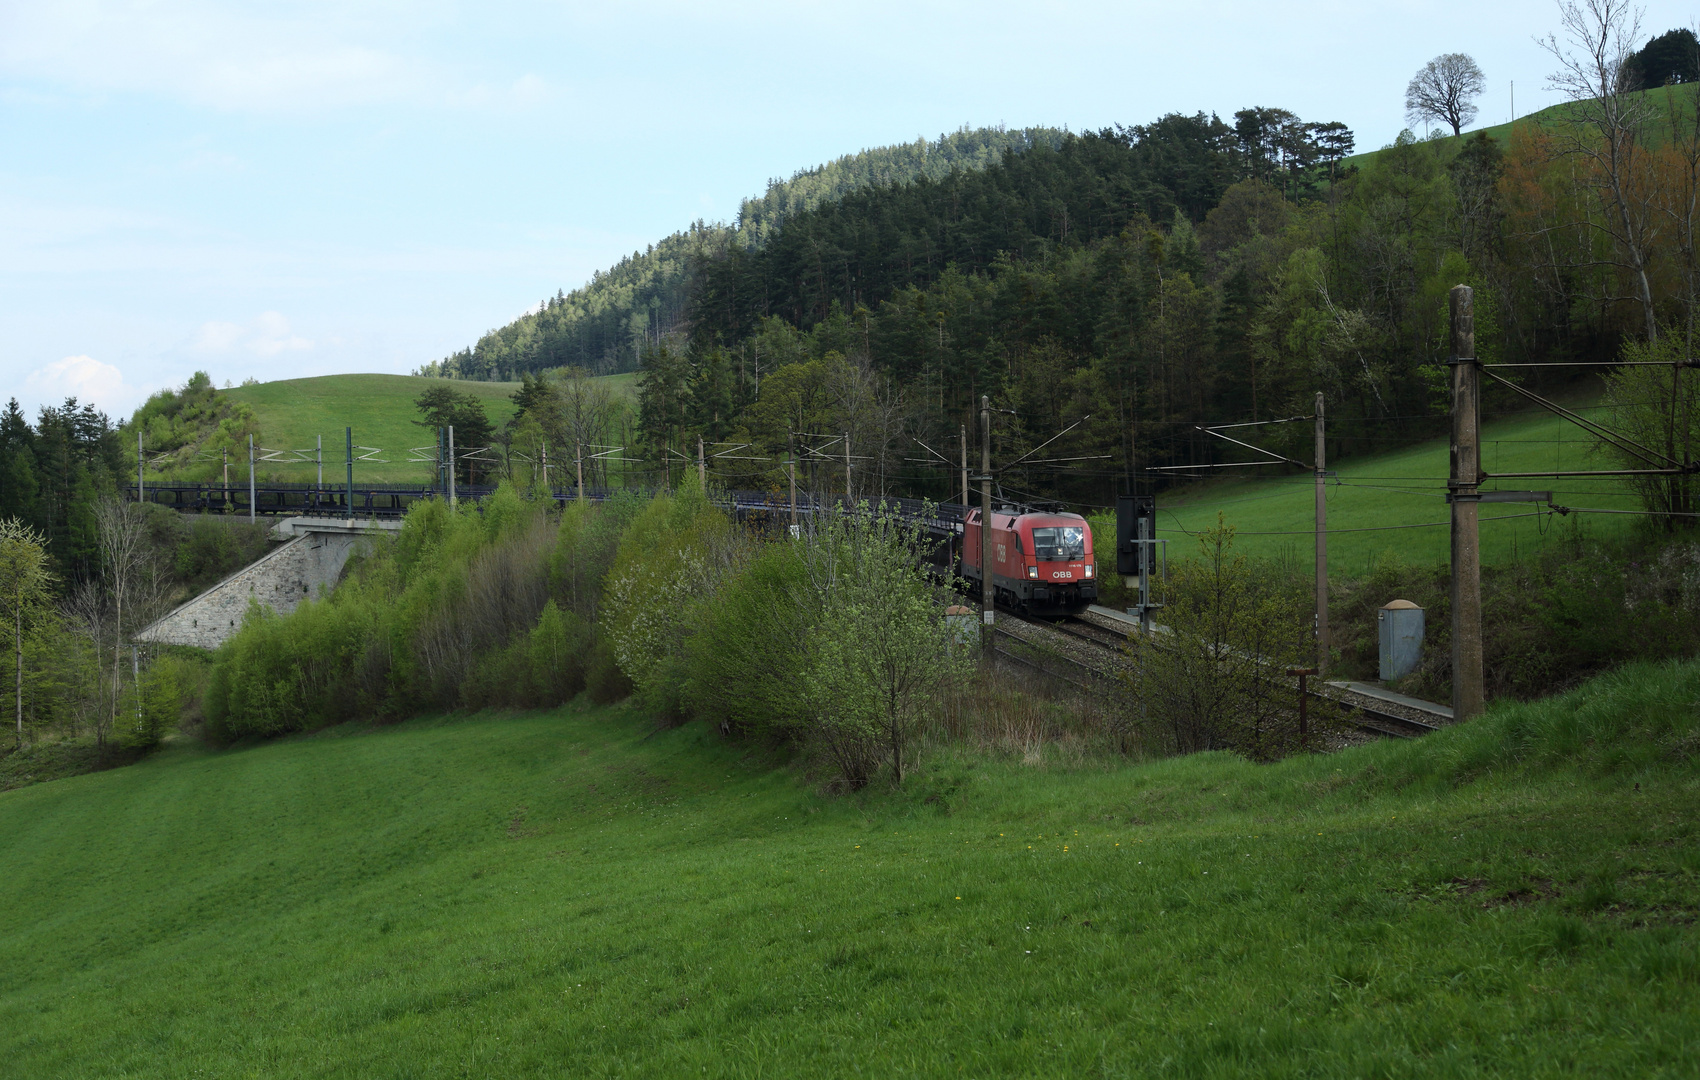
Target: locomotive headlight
1032,571
1088,569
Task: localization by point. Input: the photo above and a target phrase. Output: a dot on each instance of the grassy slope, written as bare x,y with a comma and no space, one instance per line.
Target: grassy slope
1665,101
558,894
1276,514
380,409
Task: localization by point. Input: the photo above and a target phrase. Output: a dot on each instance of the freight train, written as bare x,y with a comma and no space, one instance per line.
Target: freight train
1042,564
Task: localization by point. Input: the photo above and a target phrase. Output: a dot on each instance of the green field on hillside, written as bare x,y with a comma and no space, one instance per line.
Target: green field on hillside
291,412
1665,101
1276,515
572,893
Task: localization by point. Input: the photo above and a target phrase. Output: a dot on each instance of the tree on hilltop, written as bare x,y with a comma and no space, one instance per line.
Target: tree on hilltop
444,406
1445,91
1672,57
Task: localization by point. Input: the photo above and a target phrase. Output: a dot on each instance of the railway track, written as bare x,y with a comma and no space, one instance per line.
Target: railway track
1107,641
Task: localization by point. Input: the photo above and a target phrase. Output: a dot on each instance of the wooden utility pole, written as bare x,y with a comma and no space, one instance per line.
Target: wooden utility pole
849,490
1321,539
319,458
250,478
791,453
1467,681
702,465
453,502
139,493
963,438
578,465
986,594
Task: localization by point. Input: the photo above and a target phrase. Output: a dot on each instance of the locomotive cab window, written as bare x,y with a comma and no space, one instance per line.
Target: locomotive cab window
1063,543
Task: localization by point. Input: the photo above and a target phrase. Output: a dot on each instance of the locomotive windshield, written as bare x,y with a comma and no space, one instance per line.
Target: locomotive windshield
1063,543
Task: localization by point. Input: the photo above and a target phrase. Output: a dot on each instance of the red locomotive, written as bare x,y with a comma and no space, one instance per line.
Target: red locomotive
1041,563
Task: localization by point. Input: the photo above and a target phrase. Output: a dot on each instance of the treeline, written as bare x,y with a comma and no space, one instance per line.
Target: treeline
604,326
75,669
109,566
966,149
1159,278
54,473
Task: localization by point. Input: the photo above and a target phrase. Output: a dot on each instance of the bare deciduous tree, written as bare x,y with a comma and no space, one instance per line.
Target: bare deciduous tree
124,554
870,411
86,611
1445,91
587,411
1605,128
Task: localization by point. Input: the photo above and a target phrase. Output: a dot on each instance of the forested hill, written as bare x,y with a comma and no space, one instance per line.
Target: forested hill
604,325
1158,278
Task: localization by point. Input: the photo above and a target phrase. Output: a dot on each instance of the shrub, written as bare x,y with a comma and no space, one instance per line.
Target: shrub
744,663
1234,629
671,560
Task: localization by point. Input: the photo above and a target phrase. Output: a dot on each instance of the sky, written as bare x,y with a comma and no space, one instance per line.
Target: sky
275,190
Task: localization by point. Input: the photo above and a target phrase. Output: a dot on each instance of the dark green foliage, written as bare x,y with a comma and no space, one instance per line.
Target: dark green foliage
604,326
444,406
1672,57
1567,614
73,456
207,549
603,678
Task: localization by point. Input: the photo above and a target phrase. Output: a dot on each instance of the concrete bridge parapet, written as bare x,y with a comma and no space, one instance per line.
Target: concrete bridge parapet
309,562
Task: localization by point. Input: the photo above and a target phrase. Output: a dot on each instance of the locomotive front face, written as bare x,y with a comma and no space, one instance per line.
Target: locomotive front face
1060,575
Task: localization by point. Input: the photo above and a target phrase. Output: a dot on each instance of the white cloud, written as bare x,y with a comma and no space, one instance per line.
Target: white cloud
268,334
87,380
225,56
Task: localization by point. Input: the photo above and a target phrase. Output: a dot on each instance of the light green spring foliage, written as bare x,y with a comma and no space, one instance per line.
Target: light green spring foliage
376,645
877,654
26,583
834,641
671,560
189,432
744,658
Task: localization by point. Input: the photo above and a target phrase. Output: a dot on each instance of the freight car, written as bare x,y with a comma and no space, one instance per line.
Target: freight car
1042,564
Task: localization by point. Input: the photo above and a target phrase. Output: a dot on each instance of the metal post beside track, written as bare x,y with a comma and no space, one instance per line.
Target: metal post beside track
348,439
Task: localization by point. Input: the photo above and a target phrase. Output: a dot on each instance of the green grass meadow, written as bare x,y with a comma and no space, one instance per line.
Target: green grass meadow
291,412
573,893
1276,514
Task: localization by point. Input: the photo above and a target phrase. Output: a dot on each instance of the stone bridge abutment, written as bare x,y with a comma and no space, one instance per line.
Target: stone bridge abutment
308,563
